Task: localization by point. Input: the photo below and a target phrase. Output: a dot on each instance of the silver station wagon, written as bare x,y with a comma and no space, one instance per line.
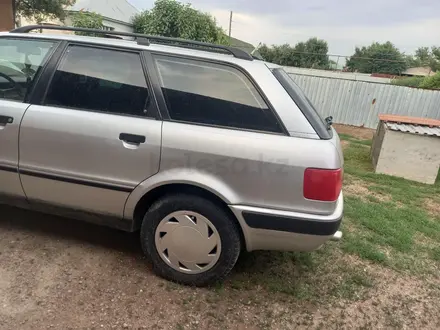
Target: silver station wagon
203,149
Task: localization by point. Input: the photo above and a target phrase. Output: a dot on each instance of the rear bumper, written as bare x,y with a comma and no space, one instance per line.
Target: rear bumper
268,229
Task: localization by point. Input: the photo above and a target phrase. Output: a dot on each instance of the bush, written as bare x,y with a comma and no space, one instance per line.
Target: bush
171,18
432,82
87,20
408,82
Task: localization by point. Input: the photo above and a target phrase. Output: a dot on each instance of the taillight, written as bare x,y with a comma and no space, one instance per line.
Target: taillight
322,185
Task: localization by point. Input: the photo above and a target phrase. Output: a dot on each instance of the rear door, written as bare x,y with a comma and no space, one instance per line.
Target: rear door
21,61
95,136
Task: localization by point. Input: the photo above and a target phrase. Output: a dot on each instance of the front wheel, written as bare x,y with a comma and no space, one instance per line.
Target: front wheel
190,240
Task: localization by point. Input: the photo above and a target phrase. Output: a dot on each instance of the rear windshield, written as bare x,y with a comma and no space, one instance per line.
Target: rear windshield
322,129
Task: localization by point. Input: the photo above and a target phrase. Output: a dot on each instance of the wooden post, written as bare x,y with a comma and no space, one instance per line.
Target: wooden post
6,15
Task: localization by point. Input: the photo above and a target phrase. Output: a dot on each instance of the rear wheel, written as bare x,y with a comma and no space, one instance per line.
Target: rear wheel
190,239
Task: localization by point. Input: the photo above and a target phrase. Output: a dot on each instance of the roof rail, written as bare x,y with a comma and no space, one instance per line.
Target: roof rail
144,39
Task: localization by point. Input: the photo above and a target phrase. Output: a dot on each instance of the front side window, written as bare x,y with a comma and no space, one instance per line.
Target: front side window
99,80
213,94
20,62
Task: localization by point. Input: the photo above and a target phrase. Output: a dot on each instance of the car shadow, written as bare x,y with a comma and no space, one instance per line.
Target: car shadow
63,229
60,228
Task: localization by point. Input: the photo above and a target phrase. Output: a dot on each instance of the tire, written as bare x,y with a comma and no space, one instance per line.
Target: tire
190,242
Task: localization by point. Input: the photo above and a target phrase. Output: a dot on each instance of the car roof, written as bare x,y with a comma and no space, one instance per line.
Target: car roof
132,44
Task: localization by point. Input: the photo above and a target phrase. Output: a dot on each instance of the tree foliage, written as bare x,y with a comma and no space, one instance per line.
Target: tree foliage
408,82
432,82
378,58
309,54
171,18
425,57
40,10
87,20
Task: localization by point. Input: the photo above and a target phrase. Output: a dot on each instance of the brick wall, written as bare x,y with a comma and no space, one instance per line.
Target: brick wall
6,19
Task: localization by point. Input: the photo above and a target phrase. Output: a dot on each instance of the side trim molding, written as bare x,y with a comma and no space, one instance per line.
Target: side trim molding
8,168
77,181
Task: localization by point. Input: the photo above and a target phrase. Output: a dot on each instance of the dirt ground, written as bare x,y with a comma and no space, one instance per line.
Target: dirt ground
357,132
57,273
63,274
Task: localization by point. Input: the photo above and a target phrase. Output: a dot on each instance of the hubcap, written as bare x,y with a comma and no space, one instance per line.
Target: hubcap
188,242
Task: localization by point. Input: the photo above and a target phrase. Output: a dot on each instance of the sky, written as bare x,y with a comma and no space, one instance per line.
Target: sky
344,24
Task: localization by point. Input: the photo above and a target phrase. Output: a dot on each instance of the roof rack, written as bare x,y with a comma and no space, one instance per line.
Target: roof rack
144,39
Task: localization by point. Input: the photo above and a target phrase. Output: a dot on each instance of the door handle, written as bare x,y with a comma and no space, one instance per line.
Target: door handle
4,120
132,138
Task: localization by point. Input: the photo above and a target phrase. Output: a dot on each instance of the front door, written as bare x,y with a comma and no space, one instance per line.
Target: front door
93,139
21,61
10,117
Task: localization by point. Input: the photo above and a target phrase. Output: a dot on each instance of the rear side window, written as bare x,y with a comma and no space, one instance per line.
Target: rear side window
99,80
213,94
301,100
20,62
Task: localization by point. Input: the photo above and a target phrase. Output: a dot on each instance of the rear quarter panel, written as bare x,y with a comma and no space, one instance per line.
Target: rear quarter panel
242,167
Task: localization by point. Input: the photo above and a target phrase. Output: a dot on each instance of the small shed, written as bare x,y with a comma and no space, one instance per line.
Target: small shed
407,147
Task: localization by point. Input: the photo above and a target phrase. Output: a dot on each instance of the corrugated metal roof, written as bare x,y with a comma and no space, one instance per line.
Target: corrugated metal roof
410,120
419,71
414,129
120,10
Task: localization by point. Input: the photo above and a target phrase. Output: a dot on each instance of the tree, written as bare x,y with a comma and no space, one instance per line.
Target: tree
411,62
280,54
170,18
424,56
283,55
378,58
267,53
40,10
87,20
435,51
309,54
315,53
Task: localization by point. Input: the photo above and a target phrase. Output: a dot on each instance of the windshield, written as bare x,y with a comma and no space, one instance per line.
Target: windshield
303,103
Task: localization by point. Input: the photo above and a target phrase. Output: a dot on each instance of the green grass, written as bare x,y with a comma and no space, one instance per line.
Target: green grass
435,253
389,232
315,277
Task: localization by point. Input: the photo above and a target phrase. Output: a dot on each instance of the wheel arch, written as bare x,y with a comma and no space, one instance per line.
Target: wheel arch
158,192
179,176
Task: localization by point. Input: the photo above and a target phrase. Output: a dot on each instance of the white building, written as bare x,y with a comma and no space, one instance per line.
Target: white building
117,14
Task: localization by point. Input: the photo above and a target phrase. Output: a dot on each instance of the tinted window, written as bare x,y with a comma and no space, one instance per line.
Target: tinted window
20,61
303,103
101,80
213,94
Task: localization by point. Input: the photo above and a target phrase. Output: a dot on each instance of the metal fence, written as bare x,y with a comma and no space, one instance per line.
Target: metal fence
359,103
336,74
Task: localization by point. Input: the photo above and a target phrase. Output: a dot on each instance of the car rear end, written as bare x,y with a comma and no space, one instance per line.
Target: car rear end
302,206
